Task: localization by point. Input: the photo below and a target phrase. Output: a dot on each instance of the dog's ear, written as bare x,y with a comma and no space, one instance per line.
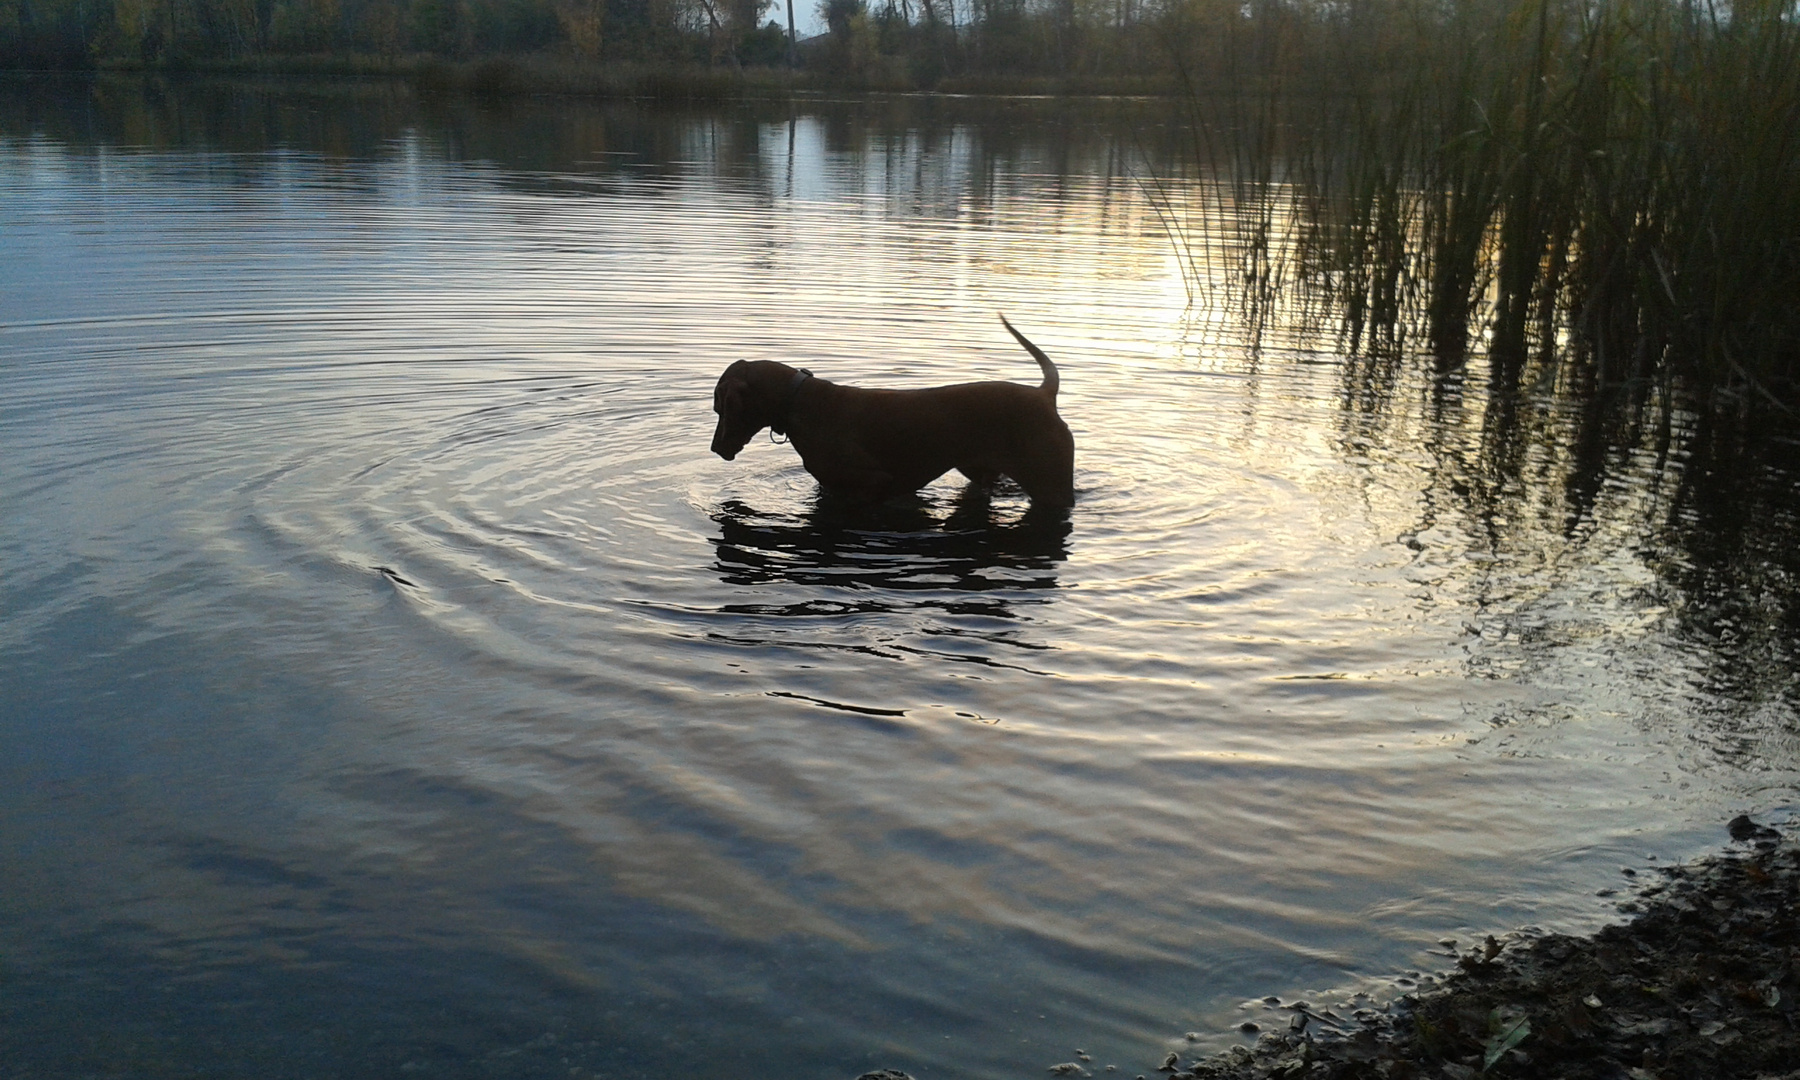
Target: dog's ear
734,390
728,395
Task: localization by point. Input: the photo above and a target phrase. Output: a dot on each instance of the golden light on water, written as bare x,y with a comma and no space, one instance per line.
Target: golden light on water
375,481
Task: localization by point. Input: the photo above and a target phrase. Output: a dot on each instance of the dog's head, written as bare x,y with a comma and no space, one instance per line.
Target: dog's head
741,414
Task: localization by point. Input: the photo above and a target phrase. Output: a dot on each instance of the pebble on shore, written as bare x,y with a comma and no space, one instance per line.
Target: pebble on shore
1703,981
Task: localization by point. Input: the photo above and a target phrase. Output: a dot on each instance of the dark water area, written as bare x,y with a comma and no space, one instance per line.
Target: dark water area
392,684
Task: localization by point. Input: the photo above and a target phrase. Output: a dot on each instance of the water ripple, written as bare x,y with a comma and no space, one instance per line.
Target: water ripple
370,587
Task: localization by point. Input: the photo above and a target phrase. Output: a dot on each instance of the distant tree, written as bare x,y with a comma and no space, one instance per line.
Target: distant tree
581,22
766,46
437,26
382,26
852,48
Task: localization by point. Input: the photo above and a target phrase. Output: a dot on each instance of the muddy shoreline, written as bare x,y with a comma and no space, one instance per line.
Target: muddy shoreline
1701,983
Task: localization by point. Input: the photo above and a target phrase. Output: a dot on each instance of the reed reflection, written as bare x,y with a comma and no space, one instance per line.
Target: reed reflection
1729,548
1581,514
896,556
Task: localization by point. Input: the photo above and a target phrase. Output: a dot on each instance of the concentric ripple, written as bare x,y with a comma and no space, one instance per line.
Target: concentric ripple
379,628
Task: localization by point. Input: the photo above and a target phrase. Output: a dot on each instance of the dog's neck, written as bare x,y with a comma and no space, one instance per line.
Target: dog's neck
779,424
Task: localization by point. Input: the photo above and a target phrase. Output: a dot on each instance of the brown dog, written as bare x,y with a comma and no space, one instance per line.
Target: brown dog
874,444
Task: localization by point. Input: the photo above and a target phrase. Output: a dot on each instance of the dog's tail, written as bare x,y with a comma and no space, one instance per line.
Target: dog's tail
1051,379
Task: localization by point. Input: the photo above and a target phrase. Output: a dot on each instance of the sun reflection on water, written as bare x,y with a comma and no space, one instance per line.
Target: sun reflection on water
378,620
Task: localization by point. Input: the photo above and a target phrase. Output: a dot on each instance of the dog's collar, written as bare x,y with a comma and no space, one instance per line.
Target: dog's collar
779,425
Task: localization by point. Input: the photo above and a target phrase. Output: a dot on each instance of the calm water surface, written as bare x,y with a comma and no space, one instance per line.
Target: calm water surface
394,684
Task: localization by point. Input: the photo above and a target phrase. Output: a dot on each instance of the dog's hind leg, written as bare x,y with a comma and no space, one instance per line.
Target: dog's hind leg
1049,478
1048,491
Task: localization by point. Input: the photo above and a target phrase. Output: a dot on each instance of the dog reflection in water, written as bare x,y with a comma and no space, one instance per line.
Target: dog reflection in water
968,560
870,445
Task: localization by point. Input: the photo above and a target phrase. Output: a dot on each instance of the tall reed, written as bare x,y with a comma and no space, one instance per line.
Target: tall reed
1595,191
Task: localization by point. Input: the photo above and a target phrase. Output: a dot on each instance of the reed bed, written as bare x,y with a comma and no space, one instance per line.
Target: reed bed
1598,193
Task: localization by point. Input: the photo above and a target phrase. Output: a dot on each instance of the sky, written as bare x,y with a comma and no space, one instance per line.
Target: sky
806,16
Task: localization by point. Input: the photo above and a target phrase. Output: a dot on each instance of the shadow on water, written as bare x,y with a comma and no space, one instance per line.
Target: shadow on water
895,556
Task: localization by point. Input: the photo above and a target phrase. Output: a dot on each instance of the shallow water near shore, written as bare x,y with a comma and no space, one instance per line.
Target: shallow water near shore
393,683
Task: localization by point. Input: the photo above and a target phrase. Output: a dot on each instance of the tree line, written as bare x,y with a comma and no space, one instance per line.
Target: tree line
885,42
73,34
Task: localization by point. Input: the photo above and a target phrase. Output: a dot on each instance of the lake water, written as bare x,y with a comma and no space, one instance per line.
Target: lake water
393,684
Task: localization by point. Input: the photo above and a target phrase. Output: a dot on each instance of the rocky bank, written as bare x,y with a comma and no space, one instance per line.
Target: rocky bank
1702,983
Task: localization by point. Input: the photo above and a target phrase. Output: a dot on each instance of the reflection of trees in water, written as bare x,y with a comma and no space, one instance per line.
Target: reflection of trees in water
896,556
931,157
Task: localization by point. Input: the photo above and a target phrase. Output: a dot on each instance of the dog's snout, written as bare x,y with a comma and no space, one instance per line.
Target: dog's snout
724,441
